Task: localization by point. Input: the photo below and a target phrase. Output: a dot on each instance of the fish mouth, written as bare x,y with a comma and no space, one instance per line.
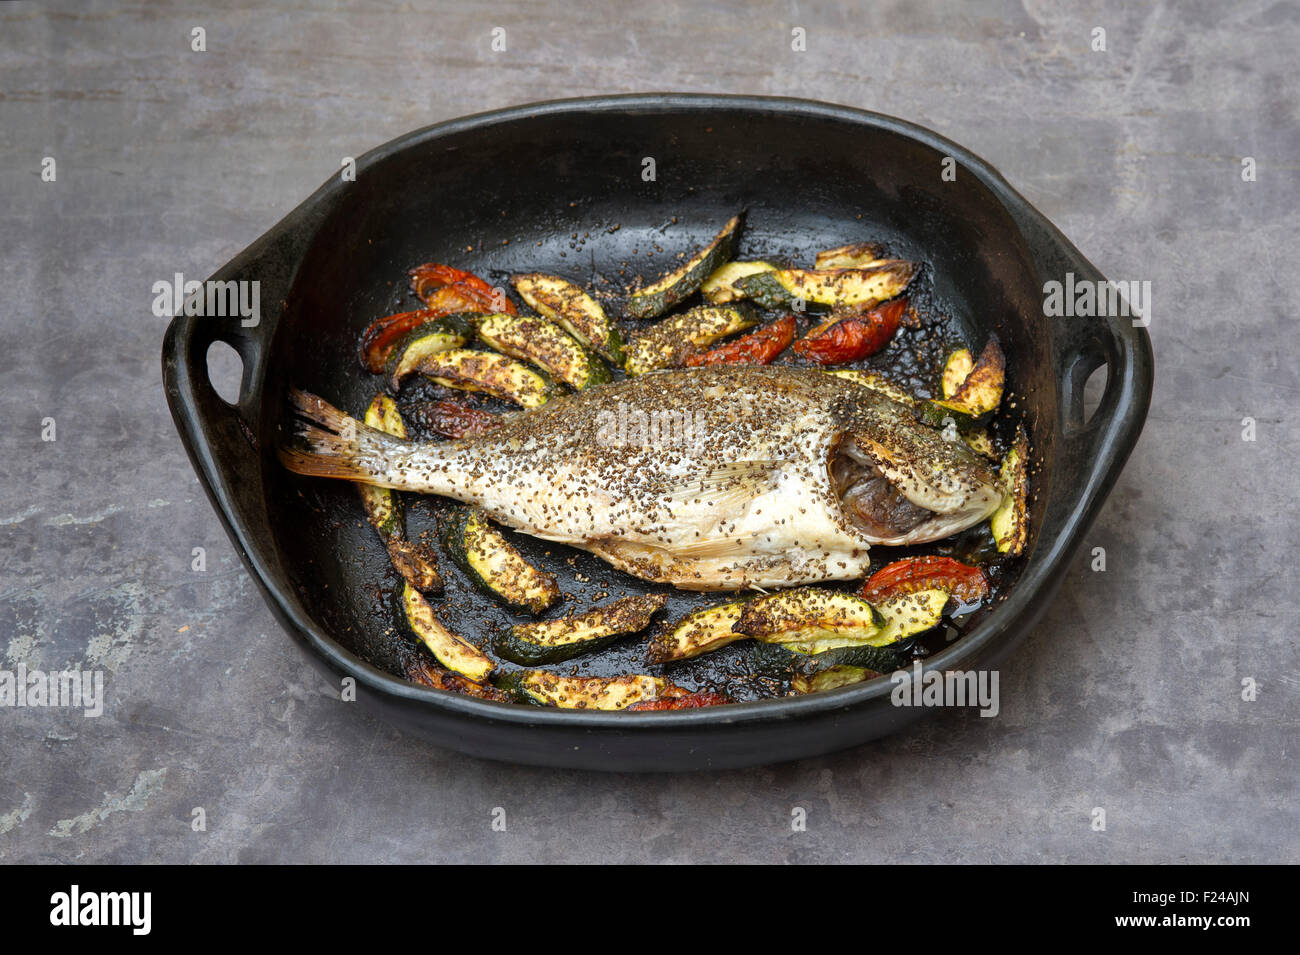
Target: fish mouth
895,502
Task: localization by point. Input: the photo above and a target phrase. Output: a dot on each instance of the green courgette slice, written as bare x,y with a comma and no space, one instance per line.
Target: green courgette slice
679,284
718,288
831,288
696,633
979,391
450,650
667,344
817,672
573,310
810,619
859,255
494,565
544,344
553,641
1010,522
383,507
439,335
469,370
584,692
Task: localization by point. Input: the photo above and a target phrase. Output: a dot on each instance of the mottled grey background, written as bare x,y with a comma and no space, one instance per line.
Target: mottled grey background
1128,696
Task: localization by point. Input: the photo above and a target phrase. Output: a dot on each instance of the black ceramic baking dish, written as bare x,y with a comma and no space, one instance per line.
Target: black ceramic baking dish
555,179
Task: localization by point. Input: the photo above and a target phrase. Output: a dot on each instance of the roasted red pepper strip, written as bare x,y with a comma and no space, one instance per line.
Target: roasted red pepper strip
927,573
756,348
428,279
382,334
689,701
451,419
853,335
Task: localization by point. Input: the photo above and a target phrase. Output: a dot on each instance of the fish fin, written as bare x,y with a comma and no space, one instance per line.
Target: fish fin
722,484
328,443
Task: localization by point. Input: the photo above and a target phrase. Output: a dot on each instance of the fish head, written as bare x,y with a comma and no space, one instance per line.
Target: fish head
902,483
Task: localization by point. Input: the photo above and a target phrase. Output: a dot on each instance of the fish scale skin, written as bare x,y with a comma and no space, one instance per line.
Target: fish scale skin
746,499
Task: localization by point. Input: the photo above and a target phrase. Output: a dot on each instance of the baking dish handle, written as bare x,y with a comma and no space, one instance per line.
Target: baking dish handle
222,438
1095,446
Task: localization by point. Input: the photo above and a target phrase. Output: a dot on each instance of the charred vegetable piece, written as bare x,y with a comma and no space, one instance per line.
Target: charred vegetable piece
451,419
811,672
926,573
687,701
449,649
1010,522
980,391
717,288
832,288
383,509
573,310
388,334
696,633
494,565
810,619
544,344
427,673
428,281
430,338
485,372
663,294
552,641
669,343
852,336
586,692
860,255
757,348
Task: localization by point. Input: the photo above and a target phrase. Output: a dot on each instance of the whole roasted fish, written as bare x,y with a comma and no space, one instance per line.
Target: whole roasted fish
715,478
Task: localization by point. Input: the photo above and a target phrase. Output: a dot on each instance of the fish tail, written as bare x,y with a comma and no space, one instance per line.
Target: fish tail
326,442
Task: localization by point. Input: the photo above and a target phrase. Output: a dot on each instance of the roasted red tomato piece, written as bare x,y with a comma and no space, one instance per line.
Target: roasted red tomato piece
756,348
926,573
451,419
428,279
850,336
689,701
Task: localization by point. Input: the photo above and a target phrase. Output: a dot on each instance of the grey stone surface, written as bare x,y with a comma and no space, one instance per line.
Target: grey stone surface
1127,697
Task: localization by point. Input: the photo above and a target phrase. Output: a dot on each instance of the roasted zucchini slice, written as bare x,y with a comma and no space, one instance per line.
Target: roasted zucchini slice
383,508
696,633
451,651
909,614
573,310
832,288
980,390
1010,522
440,335
487,372
810,619
544,344
494,565
980,442
717,288
584,692
815,672
956,370
679,284
859,255
552,641
668,343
